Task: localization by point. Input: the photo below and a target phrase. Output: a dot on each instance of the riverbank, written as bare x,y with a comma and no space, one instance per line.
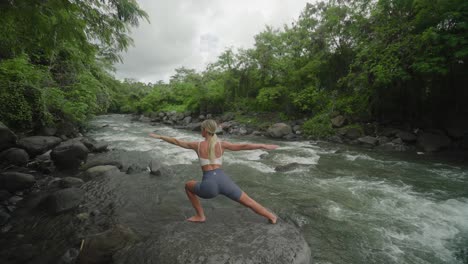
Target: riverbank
450,144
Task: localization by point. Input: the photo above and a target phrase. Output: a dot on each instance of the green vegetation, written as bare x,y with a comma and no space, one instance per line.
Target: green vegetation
384,60
55,56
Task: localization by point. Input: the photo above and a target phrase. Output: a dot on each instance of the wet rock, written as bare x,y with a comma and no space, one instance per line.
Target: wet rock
433,142
99,248
279,130
69,155
68,182
62,200
14,156
155,168
135,168
36,145
229,236
7,137
15,181
338,121
100,171
368,140
98,161
406,136
287,167
94,146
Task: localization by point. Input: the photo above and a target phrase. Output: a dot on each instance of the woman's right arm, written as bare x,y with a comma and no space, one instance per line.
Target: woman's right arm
247,146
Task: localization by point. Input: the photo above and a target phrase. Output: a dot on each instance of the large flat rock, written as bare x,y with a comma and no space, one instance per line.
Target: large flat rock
228,236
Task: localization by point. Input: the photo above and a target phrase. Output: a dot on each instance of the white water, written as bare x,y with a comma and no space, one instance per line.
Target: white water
352,207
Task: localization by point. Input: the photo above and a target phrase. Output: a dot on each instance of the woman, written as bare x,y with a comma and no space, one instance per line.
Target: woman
214,182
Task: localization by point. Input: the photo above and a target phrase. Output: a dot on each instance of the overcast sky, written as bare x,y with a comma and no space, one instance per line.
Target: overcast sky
192,33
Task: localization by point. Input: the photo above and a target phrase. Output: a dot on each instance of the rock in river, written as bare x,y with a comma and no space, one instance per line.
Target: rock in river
228,236
63,200
279,130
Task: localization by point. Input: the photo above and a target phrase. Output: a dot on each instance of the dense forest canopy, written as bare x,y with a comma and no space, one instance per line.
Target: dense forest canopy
383,60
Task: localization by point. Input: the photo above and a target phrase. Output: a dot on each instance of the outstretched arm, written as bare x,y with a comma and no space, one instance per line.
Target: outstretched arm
180,143
247,146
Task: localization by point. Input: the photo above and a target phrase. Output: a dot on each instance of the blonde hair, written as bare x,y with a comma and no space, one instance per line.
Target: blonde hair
210,126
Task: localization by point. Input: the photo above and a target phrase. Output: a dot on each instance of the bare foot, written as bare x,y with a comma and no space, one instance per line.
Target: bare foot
197,219
273,219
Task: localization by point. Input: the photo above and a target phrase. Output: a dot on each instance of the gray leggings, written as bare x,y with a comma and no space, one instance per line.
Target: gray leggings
215,182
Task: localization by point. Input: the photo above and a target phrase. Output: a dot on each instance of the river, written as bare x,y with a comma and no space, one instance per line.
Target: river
351,205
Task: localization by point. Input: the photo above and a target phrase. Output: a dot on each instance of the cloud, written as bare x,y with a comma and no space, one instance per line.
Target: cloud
194,33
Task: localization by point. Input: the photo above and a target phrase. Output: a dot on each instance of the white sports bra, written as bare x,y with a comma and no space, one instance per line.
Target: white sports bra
217,161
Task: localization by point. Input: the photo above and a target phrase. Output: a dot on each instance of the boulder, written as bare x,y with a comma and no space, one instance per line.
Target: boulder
296,128
368,140
94,146
406,136
291,136
14,156
100,160
36,145
287,167
353,133
7,137
99,248
338,121
155,168
62,200
187,120
433,142
383,140
279,130
99,171
69,154
15,181
229,236
68,182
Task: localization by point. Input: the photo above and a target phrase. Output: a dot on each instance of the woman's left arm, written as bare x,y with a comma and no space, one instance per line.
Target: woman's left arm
180,143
